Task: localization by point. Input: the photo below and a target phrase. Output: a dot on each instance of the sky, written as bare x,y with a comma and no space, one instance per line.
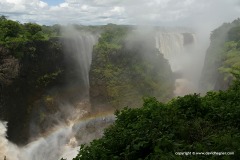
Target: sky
190,13
53,2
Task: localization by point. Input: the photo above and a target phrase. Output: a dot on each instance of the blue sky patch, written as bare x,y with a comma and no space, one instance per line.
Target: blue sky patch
53,2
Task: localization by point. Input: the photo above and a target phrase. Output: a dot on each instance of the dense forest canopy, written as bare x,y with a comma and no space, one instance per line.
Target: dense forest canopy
13,31
185,124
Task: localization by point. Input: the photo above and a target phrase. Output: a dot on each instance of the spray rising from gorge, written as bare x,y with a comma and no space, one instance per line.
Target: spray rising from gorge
79,126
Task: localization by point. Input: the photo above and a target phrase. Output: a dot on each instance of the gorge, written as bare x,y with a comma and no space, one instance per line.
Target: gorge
59,93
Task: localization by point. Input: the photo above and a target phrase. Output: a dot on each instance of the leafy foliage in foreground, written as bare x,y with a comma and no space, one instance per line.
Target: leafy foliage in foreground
185,124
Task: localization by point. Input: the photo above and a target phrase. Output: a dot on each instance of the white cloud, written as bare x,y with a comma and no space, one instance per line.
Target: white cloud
154,12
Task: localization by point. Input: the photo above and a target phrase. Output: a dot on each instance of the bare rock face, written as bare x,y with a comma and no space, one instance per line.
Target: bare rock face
188,38
26,79
9,67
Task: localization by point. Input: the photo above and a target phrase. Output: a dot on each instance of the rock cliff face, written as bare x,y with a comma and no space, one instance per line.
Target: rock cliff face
9,69
188,38
24,80
39,83
215,74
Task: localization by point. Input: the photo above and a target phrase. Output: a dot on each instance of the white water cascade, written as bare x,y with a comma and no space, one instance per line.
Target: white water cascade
170,44
181,52
78,47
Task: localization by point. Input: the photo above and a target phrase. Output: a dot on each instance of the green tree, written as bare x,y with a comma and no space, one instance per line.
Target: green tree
9,29
185,124
33,31
32,28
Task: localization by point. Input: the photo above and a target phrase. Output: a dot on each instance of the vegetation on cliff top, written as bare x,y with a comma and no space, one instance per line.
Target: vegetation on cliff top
15,36
13,31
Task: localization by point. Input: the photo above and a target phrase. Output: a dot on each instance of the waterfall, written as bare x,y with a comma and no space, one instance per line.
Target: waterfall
180,50
78,47
176,47
170,44
62,140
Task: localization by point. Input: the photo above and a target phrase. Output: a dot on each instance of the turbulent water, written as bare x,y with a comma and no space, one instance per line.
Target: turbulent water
62,142
7,148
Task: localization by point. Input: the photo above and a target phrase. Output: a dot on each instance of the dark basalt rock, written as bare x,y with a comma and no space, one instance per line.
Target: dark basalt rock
20,83
188,38
9,67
